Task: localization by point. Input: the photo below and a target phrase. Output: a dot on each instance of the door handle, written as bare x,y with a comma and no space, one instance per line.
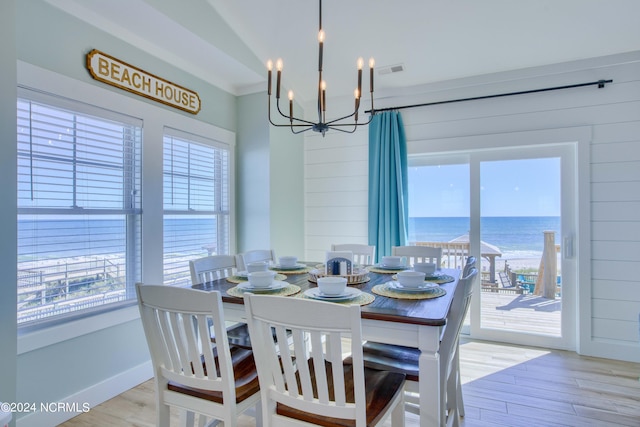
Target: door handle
567,247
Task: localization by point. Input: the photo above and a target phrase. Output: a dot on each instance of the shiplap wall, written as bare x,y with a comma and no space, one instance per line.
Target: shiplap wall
336,174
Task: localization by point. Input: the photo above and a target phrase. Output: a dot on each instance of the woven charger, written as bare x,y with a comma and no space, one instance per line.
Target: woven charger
385,291
284,292
352,279
363,299
383,270
439,281
298,271
240,279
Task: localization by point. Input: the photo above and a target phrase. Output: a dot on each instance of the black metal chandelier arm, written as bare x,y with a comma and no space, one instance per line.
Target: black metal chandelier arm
355,126
282,124
331,122
337,125
308,128
289,117
287,125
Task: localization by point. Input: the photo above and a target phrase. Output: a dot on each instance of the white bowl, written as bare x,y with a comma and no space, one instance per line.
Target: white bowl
288,261
261,279
427,268
391,261
256,266
332,285
411,279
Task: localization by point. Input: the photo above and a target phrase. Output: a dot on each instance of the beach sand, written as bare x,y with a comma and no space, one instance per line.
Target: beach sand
516,264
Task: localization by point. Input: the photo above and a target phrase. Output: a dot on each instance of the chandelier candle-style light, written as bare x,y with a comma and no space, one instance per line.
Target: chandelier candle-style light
298,125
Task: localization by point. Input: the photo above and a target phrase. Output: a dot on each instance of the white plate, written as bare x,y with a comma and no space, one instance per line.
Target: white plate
295,267
276,285
396,286
243,274
392,267
349,293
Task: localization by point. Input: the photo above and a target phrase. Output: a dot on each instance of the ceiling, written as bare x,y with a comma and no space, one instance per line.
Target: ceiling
227,42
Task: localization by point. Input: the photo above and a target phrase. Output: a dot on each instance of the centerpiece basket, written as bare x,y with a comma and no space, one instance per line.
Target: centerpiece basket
358,275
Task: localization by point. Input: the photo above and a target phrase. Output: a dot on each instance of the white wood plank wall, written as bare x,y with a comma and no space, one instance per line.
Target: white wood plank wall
336,172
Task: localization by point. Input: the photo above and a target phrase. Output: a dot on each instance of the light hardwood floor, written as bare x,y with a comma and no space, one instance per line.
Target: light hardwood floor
503,385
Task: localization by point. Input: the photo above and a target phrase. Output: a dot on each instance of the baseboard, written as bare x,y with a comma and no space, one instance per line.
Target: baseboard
612,349
88,398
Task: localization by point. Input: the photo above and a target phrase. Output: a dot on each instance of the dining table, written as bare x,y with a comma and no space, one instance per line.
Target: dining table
386,318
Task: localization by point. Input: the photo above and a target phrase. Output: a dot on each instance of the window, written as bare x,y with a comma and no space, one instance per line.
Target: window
196,202
78,207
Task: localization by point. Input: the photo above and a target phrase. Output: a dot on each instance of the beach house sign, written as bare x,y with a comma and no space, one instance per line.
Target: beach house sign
112,71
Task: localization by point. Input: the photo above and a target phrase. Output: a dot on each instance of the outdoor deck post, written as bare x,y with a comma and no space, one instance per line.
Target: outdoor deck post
550,260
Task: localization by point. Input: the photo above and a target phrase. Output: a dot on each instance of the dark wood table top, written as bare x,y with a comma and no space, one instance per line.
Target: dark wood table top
430,312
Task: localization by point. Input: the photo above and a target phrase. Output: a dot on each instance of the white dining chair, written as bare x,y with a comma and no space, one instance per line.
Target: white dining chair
419,254
308,383
217,267
396,358
210,268
469,264
191,373
362,254
255,255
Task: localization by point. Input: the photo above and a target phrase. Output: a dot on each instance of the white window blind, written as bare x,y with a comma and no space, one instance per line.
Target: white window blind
196,202
78,207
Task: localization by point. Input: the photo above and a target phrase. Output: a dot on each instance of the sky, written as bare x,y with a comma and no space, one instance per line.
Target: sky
527,187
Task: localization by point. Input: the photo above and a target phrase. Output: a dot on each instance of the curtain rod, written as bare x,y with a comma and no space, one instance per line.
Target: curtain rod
600,84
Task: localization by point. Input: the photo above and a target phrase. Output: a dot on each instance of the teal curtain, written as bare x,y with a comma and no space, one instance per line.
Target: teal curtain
388,208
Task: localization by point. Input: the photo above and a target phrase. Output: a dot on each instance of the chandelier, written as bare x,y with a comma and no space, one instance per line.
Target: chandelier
347,124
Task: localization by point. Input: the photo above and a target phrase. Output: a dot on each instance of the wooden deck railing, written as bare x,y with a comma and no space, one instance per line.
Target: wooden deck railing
454,254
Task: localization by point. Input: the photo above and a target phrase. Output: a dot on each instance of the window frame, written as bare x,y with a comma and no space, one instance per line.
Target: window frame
130,206
220,206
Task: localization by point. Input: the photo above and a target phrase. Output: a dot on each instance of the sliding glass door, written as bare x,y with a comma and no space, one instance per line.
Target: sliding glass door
521,211
513,208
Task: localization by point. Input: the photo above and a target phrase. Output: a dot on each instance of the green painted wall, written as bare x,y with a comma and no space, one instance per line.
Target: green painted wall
287,192
253,171
270,196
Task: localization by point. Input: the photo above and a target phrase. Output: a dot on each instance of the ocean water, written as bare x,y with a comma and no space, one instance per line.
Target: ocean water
78,237
516,237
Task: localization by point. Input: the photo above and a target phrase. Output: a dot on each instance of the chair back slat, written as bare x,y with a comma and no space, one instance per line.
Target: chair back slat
191,343
170,349
310,377
319,367
287,359
205,341
334,344
419,254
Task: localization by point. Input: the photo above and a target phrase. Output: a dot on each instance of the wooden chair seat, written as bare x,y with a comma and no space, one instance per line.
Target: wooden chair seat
244,372
395,358
380,387
238,335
